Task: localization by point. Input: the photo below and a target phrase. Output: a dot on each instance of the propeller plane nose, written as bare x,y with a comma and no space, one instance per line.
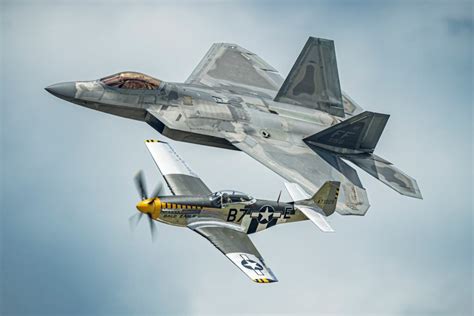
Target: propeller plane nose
146,206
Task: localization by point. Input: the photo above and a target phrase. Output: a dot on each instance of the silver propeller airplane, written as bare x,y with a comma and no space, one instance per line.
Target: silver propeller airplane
226,218
303,128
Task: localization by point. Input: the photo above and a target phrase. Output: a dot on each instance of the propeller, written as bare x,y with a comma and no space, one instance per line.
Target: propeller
134,220
140,184
159,190
142,191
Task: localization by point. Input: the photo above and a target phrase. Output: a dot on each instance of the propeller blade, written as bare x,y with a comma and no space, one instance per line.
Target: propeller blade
152,227
140,184
134,220
141,187
159,190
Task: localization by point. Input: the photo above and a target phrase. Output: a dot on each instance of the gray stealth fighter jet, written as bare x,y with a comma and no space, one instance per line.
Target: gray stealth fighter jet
303,128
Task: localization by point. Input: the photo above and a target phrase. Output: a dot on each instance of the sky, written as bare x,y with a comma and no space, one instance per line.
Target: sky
67,172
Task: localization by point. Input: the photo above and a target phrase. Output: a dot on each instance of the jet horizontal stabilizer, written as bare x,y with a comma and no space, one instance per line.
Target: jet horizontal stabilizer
355,140
387,173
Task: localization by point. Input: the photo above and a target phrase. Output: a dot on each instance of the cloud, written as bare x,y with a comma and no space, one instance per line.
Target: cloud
460,25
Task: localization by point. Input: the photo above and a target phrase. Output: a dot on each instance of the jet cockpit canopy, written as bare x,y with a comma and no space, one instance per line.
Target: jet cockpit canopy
131,80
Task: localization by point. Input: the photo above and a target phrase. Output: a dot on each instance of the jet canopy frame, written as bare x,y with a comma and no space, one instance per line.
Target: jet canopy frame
132,81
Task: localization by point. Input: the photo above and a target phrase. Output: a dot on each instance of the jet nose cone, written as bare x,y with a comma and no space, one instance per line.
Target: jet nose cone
64,90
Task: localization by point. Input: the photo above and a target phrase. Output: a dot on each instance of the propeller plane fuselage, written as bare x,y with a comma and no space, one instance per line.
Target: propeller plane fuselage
229,206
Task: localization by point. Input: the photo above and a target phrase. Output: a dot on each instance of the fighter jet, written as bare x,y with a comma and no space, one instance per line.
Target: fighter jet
226,218
304,128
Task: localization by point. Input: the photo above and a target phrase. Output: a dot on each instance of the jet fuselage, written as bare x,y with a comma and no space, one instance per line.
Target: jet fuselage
197,114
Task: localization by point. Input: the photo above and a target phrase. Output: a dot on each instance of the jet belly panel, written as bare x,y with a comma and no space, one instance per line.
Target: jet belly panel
173,121
196,116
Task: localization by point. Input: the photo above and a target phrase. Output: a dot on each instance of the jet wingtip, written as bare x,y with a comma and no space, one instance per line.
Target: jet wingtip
417,194
411,191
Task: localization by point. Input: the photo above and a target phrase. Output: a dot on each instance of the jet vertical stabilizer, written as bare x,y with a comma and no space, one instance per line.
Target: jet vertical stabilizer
313,82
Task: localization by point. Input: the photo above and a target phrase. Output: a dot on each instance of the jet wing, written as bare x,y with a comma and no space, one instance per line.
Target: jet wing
229,65
237,246
181,180
298,163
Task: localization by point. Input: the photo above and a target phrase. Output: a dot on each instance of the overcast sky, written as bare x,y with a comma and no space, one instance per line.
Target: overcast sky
66,171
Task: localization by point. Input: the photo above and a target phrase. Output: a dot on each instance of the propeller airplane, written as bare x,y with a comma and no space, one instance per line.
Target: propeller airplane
227,217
